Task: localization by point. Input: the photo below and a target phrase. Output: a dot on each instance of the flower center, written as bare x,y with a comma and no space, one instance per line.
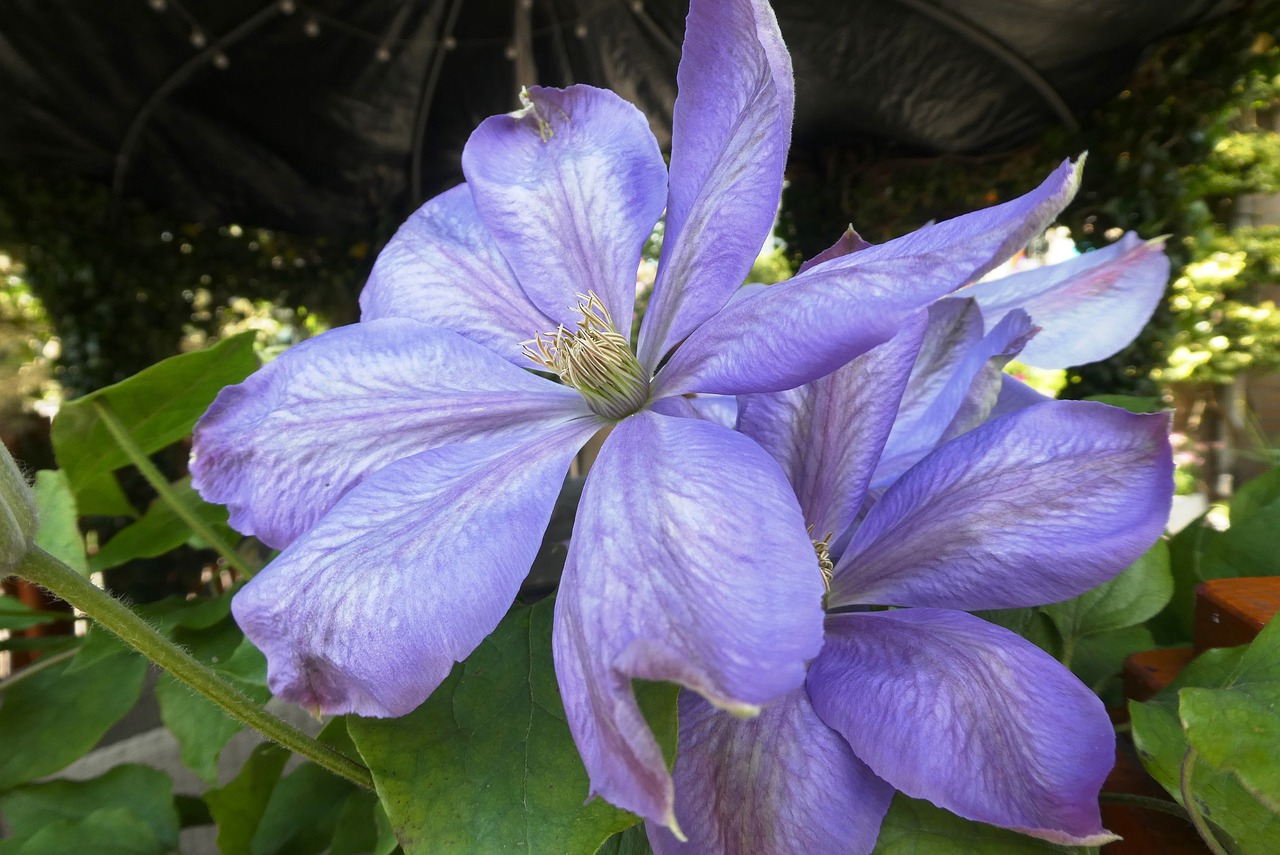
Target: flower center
596,360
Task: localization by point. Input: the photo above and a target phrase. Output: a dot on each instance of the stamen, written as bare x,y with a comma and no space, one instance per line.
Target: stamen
825,565
595,359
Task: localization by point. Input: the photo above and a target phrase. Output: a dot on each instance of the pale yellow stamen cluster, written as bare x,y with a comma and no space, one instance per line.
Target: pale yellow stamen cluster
825,565
595,359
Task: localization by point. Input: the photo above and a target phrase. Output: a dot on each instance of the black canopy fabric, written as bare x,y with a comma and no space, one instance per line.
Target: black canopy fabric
321,116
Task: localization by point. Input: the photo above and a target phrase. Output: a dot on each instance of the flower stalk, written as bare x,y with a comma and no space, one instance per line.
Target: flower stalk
166,492
48,572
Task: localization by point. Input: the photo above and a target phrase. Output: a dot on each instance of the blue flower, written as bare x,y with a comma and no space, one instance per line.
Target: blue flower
929,490
407,465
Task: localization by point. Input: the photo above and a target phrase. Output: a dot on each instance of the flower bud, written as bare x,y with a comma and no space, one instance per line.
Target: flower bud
17,516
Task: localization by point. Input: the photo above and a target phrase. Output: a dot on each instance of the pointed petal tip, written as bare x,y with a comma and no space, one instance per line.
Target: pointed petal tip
1063,838
737,709
674,827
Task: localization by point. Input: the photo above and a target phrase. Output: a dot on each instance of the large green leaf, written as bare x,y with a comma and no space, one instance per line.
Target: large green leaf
49,719
1237,728
915,827
59,531
487,764
146,793
1162,744
159,405
161,529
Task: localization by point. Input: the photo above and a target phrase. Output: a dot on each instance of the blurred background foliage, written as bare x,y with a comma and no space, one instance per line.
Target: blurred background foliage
1194,132
97,288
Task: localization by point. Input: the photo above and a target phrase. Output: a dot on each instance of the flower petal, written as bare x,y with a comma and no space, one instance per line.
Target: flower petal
954,358
689,563
947,707
721,409
1029,509
414,567
443,268
570,188
808,326
828,434
282,447
1088,307
849,242
730,132
782,783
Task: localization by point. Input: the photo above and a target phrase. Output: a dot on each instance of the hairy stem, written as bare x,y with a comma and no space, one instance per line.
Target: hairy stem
166,492
48,572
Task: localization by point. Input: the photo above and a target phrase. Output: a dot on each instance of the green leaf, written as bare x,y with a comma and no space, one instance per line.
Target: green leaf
633,841
206,630
915,827
159,405
302,814
387,842
112,831
357,830
1101,627
15,614
1188,551
161,529
487,763
1255,495
1099,660
146,793
200,726
1139,593
46,643
237,808
51,719
1237,728
59,533
1162,744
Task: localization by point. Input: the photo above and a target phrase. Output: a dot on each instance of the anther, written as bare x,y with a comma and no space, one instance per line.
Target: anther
595,359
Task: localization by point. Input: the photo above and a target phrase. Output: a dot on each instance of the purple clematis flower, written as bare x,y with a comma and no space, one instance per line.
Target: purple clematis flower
407,465
1027,508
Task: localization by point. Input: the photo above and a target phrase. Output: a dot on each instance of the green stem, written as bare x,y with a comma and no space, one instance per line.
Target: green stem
1145,803
1193,810
161,485
48,572
47,661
